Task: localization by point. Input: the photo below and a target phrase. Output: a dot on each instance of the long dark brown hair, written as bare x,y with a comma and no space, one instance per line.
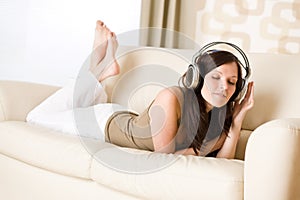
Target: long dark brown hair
200,124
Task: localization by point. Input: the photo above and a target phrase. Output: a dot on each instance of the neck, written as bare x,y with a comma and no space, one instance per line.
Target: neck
208,106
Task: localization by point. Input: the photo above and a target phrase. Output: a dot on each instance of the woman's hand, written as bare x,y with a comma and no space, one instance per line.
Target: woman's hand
239,112
240,108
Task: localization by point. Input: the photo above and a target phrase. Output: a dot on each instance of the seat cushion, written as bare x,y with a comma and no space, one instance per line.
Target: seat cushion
150,175
47,149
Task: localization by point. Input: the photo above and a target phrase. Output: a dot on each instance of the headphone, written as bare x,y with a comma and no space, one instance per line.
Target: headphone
192,78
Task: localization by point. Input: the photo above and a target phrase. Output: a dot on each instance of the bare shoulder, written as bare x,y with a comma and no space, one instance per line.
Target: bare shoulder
168,95
169,99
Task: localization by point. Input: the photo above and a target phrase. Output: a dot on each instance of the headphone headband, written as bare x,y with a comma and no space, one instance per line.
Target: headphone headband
193,73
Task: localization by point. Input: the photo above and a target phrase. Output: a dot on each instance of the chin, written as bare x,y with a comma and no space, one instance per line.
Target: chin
219,104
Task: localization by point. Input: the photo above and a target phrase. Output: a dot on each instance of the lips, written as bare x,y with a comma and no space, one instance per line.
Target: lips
220,94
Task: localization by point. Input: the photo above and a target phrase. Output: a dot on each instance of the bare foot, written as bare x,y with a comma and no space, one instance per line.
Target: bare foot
100,45
109,63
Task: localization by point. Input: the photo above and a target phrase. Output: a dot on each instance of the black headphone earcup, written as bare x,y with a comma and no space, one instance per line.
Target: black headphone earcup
192,77
243,89
243,84
189,77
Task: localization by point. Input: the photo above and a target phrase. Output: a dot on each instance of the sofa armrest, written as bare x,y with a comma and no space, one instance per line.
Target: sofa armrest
18,98
272,164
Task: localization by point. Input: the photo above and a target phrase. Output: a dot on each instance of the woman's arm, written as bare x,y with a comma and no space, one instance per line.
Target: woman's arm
239,112
229,146
188,151
164,114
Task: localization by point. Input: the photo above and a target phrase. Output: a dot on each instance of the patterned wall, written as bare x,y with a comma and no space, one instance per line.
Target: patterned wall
256,25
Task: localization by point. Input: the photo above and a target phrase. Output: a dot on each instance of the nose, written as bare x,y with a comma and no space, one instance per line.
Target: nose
224,85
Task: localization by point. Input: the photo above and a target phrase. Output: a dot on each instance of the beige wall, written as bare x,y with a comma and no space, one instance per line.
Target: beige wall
255,25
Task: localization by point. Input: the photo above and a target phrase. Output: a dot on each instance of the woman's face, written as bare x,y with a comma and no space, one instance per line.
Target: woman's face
219,85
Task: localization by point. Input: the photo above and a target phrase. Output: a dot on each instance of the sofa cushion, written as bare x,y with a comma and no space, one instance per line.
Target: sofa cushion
167,176
41,147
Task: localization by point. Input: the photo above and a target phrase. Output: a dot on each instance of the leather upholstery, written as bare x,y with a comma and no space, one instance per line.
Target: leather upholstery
68,166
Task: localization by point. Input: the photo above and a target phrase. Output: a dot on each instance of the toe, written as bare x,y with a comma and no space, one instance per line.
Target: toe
109,34
100,23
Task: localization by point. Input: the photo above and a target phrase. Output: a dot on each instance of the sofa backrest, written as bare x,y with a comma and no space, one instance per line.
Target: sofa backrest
277,93
145,71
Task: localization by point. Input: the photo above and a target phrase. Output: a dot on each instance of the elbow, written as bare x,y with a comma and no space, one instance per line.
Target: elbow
164,148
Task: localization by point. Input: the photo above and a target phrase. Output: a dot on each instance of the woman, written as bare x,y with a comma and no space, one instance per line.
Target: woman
204,120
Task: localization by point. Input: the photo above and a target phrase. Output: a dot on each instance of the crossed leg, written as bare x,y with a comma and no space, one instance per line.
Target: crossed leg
59,110
103,61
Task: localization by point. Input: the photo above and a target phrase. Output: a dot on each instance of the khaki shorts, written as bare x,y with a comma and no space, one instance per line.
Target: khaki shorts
127,129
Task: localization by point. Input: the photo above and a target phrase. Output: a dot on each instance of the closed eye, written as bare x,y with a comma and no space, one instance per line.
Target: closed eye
216,77
232,82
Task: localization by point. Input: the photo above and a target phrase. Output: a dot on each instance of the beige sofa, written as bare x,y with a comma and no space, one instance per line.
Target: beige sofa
38,163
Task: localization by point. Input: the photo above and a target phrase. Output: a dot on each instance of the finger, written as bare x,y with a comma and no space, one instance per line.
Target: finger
237,102
250,99
249,90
